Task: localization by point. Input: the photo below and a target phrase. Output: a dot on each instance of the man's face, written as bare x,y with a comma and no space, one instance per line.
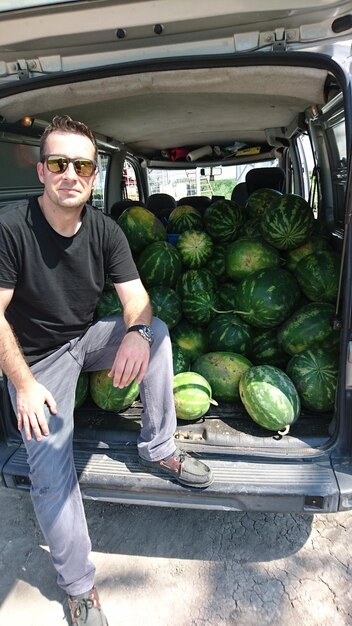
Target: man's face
68,189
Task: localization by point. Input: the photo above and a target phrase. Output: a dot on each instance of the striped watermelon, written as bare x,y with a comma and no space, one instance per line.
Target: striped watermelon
216,264
226,295
166,305
270,397
184,217
82,389
180,360
108,304
245,256
223,371
191,340
108,397
314,374
229,333
267,297
318,276
195,248
192,395
195,281
311,326
199,307
141,228
266,349
223,219
159,264
314,244
287,222
251,228
259,201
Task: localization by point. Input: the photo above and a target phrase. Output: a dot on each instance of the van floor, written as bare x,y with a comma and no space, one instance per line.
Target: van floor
223,427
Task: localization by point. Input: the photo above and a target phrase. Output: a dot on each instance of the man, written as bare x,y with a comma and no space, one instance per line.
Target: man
55,253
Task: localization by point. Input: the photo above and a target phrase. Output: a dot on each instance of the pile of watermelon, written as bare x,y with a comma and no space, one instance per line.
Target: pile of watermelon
248,297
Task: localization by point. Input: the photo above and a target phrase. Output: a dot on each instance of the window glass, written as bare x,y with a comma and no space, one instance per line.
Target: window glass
98,193
129,184
340,138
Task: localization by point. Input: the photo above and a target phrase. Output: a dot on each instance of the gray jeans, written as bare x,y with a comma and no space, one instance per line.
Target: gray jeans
54,486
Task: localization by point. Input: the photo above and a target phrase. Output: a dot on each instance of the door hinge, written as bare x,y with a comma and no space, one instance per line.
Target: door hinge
279,38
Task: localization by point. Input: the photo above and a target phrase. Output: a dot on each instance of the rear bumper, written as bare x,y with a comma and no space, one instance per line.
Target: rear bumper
240,484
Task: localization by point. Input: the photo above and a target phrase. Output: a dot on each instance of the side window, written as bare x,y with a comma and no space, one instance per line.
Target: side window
309,172
98,193
129,183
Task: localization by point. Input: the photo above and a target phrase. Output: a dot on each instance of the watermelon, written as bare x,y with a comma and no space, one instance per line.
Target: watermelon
199,307
311,326
223,371
108,304
259,201
82,389
195,281
159,264
318,276
108,397
223,219
192,396
245,256
184,217
141,228
229,333
226,295
314,374
251,228
313,244
267,297
266,349
180,360
195,248
287,222
270,397
190,339
166,305
216,264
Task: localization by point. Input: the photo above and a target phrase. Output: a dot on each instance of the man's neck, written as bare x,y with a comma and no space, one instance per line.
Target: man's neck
65,221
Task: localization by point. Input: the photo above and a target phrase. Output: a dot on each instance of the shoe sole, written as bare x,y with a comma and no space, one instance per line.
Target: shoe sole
155,470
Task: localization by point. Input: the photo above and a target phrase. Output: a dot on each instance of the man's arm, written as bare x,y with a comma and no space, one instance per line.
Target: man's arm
132,357
31,395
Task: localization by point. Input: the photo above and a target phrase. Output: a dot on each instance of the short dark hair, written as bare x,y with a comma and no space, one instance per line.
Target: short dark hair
66,124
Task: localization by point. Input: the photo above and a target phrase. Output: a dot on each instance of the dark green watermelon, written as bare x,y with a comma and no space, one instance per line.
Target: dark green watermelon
195,248
108,304
287,222
267,297
166,305
229,333
245,256
266,350
251,228
314,244
314,374
189,338
141,228
223,219
195,281
223,371
259,201
318,276
199,307
82,389
216,264
226,295
311,326
159,264
270,397
184,217
180,359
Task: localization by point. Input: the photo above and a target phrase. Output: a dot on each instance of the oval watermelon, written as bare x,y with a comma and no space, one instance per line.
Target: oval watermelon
318,276
192,395
180,360
267,297
259,201
229,333
251,228
195,281
245,256
108,397
184,217
314,374
223,371
108,304
226,295
159,265
82,389
314,243
223,219
266,350
216,264
166,305
191,340
141,228
199,307
287,222
195,248
270,397
311,326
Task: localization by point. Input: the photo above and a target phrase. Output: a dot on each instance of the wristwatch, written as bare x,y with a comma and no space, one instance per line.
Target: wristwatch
144,330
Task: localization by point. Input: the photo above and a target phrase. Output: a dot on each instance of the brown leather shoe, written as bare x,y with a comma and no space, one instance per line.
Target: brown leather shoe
86,610
183,468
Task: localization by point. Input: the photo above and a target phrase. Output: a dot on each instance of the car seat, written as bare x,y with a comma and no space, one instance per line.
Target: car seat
198,202
118,207
265,177
161,204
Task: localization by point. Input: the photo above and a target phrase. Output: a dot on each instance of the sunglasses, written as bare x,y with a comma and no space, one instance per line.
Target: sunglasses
58,164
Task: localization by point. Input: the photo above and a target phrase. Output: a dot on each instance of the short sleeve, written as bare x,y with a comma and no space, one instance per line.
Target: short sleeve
9,258
120,264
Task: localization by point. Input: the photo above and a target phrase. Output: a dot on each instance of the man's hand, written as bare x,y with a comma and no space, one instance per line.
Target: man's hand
131,361
30,409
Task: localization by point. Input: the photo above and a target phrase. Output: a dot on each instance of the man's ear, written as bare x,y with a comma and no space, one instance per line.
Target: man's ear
40,171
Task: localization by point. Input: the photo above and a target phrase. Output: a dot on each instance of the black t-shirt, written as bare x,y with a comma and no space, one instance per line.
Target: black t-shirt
57,280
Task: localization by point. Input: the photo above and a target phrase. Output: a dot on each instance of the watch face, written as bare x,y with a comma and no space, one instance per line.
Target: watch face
147,333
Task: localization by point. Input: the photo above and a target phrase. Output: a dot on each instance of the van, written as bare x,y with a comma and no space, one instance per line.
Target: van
195,104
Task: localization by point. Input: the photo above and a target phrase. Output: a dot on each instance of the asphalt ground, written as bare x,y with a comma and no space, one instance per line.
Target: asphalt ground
159,566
